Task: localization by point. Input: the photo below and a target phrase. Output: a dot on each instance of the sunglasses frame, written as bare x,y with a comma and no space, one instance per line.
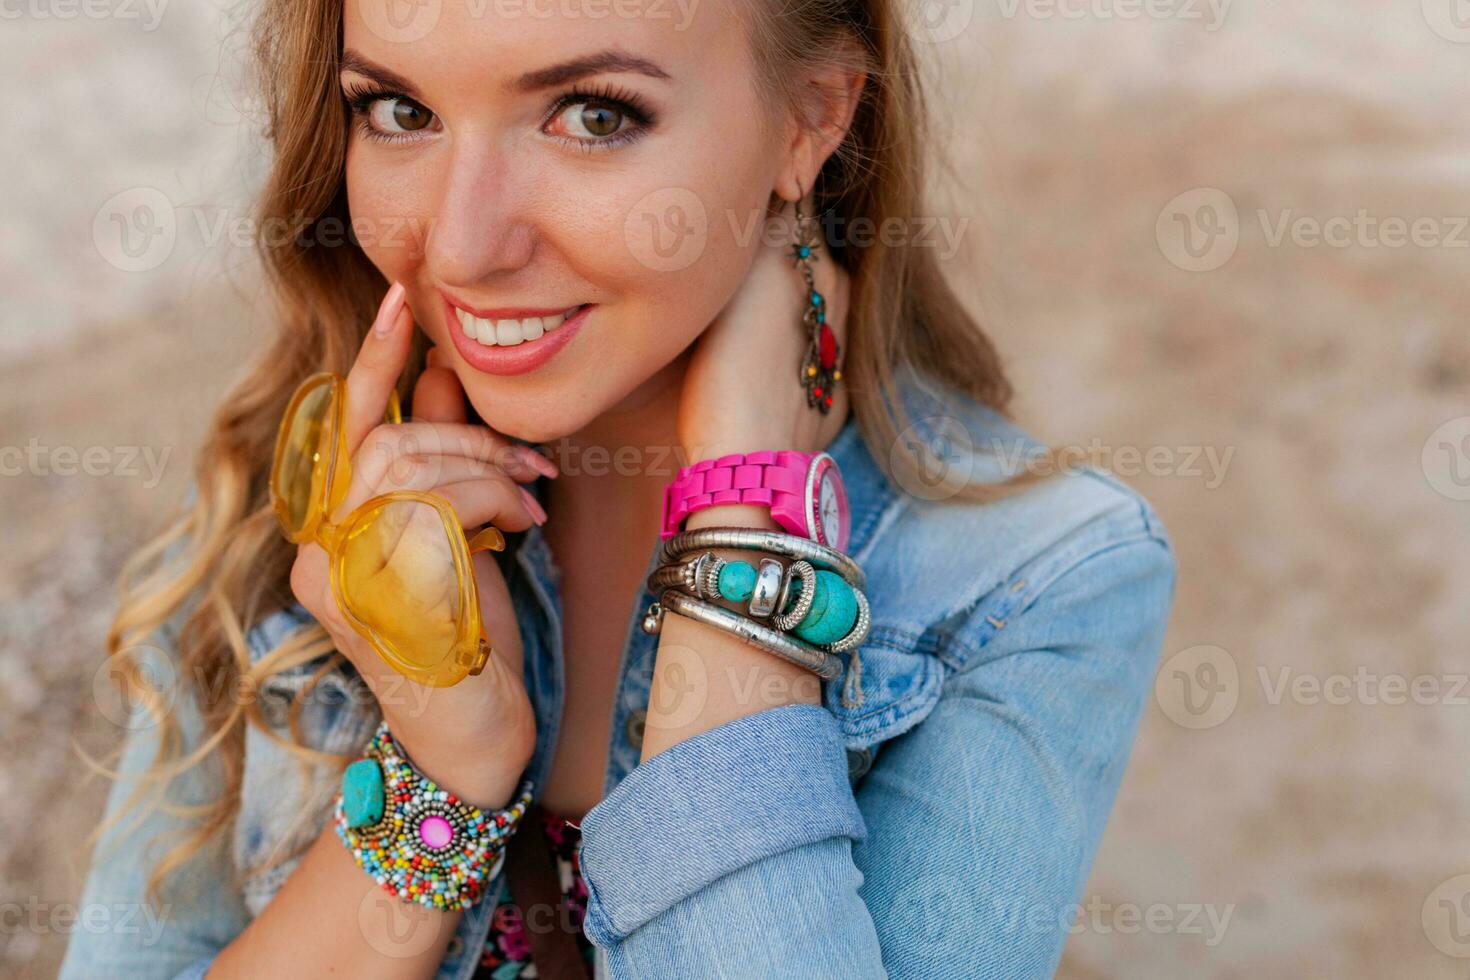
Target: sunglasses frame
471,650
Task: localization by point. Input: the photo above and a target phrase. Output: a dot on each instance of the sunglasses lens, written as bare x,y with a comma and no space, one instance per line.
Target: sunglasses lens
399,575
302,460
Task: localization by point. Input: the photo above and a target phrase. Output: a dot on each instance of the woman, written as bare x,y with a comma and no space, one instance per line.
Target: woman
586,218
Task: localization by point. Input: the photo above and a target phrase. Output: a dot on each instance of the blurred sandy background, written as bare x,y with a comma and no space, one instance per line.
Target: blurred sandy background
1295,404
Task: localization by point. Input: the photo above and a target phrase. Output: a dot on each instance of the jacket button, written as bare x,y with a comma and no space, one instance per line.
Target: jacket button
456,947
859,761
634,726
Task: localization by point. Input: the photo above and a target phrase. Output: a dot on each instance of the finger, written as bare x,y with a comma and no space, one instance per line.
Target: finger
457,439
438,395
379,363
480,502
427,473
475,503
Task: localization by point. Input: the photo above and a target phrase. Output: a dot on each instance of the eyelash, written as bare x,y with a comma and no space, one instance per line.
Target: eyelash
360,101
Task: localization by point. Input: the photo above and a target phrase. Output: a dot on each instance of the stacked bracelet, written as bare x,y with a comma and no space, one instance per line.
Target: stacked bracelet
803,612
756,539
418,841
817,605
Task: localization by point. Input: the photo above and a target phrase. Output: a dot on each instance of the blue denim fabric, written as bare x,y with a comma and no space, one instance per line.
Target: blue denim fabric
938,823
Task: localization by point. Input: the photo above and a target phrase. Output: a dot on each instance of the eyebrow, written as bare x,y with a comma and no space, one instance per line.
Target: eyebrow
358,65
603,62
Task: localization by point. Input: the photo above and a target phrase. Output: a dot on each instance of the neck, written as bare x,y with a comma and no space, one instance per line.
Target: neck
614,469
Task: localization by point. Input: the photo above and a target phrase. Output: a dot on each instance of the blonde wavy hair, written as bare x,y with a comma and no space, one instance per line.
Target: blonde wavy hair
221,563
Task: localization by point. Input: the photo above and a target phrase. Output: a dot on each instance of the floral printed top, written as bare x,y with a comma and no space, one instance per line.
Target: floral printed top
507,952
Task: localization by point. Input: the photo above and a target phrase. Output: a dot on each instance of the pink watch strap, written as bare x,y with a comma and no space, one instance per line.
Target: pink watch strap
775,479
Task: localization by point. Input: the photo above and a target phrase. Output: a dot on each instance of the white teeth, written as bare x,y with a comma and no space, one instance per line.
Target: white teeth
509,333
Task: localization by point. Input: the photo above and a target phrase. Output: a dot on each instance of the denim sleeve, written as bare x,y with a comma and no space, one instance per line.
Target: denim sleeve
198,914
744,850
984,819
733,850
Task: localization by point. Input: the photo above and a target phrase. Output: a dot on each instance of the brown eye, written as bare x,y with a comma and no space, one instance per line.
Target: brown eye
591,121
600,120
410,116
396,116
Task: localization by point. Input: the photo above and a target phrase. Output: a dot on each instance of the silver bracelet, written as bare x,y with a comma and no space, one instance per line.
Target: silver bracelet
820,662
681,545
803,572
699,577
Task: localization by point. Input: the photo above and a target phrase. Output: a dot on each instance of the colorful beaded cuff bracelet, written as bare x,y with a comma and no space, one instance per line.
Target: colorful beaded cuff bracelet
419,842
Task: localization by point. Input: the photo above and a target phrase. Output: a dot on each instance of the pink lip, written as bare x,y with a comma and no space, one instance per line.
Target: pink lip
523,357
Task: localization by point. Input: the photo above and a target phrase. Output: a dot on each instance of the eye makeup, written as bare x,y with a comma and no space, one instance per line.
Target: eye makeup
367,103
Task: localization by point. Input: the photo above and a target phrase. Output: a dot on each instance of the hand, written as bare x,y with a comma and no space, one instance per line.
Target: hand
742,391
475,738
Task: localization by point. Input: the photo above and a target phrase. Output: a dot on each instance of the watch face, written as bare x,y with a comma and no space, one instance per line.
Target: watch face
827,507
827,514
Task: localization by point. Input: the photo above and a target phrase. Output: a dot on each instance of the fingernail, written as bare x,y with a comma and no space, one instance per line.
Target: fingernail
537,514
536,461
390,310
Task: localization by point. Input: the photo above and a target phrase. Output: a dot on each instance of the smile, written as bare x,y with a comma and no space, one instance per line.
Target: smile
511,340
509,332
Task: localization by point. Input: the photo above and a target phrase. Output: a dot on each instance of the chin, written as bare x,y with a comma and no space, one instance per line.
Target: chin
536,421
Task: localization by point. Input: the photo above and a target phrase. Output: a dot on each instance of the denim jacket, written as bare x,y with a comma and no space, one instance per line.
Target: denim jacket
939,821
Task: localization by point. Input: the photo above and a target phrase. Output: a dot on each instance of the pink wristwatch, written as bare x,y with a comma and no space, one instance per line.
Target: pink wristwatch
803,490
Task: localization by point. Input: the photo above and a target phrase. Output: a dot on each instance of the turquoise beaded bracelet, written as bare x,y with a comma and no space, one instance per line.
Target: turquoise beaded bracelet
420,842
816,604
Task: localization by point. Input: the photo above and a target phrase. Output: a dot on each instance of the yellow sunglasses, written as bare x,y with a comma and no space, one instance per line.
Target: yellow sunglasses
401,569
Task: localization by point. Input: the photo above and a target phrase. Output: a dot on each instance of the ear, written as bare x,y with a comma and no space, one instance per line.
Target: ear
819,123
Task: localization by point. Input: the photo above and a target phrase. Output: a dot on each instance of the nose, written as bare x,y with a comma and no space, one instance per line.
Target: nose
482,228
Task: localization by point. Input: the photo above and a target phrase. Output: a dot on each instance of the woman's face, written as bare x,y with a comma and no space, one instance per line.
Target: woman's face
513,161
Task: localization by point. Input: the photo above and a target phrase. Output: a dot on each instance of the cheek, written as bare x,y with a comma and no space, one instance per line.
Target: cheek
390,213
673,240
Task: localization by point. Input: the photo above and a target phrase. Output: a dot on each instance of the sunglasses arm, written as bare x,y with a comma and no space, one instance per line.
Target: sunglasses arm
490,539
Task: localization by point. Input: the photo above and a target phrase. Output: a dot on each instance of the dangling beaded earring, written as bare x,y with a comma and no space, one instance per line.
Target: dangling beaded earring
819,368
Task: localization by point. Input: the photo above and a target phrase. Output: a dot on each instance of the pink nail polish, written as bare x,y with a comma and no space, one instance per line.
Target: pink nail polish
388,312
537,513
536,461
